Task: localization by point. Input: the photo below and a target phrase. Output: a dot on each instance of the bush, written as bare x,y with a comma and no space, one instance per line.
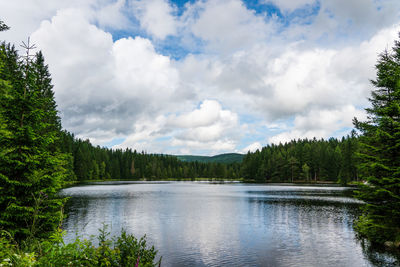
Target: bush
377,233
125,250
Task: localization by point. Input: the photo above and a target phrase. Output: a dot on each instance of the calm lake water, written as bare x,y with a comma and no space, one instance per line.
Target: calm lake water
202,224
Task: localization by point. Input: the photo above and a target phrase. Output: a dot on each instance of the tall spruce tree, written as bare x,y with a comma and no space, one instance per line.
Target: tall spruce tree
380,153
31,167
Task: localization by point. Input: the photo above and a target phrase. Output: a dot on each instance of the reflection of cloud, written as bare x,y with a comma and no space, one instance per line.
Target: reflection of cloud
224,225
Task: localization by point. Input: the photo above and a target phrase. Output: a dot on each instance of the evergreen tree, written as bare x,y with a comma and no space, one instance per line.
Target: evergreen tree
293,163
44,87
31,167
380,153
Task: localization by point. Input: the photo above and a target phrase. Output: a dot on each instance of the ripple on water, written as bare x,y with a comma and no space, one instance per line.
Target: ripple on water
200,224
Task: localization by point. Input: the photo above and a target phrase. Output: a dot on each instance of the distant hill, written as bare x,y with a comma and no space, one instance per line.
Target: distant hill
222,158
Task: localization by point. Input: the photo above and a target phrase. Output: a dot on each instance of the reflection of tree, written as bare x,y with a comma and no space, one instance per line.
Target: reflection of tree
76,210
378,255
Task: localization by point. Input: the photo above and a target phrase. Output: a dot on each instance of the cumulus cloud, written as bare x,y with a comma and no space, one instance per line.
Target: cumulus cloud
141,72
242,73
323,86
294,81
208,113
24,17
227,25
156,17
103,86
209,127
339,22
112,15
208,123
320,124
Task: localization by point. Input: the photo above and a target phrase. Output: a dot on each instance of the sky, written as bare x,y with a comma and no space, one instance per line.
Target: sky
206,77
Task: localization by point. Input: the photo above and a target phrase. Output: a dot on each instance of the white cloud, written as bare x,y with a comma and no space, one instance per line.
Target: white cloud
305,79
112,16
24,17
211,148
320,124
146,131
293,81
227,25
252,147
208,113
340,22
140,71
210,127
156,17
207,128
101,86
78,55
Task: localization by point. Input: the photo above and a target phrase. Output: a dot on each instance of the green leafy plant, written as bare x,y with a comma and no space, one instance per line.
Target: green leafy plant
124,250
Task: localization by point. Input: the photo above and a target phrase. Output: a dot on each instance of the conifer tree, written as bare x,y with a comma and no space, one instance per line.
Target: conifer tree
31,166
380,153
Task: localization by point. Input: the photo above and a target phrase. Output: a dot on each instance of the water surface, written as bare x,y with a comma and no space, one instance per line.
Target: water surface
201,224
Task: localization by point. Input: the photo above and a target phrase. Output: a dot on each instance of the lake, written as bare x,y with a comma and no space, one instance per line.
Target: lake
204,224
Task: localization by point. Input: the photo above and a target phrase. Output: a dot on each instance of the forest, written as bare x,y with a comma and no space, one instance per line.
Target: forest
88,162
305,160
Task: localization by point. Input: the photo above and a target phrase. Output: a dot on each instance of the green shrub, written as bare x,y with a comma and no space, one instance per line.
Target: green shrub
124,250
11,255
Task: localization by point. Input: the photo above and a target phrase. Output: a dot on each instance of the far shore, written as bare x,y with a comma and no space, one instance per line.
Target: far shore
215,180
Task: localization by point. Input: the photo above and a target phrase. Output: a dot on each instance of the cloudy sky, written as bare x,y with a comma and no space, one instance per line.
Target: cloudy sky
206,77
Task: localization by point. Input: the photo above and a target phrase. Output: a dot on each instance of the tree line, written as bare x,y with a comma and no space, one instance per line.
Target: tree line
302,160
306,160
88,162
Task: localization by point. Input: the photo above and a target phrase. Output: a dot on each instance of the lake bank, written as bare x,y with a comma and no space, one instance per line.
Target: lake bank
241,180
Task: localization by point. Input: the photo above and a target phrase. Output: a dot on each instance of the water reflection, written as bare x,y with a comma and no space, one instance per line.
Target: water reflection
193,224
378,256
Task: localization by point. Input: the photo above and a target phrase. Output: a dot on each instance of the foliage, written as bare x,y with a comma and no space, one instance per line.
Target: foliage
124,250
31,166
91,163
380,153
304,160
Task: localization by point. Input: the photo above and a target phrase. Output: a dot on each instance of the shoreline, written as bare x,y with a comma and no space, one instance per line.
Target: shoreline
213,180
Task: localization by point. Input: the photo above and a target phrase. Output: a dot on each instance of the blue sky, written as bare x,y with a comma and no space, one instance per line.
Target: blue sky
207,77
